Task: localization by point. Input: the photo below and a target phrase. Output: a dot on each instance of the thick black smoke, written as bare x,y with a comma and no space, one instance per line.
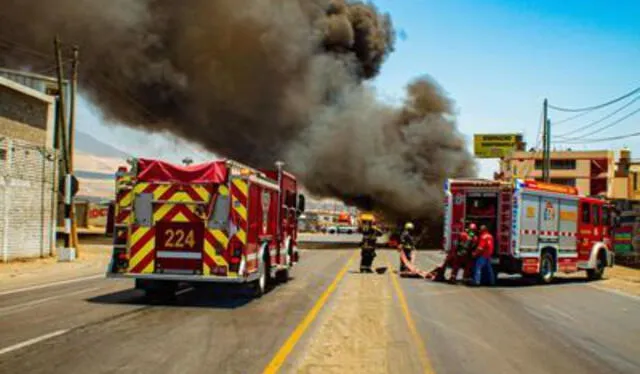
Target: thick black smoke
257,81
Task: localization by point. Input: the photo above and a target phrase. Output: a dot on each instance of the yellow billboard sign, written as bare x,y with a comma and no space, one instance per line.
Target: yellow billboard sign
496,145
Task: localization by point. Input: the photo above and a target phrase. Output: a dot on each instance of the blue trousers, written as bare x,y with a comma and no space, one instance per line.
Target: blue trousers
481,268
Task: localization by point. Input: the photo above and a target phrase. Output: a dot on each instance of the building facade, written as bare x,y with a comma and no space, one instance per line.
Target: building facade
595,173
27,172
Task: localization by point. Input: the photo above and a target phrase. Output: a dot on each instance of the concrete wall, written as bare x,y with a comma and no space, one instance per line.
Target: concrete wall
27,173
26,114
27,199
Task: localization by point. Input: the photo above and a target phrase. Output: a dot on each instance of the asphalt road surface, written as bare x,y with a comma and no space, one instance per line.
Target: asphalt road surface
321,321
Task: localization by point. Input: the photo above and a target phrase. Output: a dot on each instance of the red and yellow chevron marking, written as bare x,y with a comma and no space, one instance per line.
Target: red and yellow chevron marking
123,217
239,200
175,192
141,250
124,198
175,213
215,245
123,181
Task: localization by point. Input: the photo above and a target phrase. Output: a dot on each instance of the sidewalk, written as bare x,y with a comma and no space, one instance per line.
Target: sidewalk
93,260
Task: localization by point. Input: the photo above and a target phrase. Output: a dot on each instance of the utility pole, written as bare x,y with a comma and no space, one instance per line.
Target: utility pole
68,252
61,113
546,136
72,141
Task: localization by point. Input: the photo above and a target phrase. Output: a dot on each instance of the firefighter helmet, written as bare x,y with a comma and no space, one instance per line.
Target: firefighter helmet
408,226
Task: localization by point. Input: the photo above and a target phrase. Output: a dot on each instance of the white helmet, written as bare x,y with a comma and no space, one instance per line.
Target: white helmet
408,226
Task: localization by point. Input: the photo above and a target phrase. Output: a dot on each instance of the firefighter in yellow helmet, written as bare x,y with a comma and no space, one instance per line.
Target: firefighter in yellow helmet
370,234
406,246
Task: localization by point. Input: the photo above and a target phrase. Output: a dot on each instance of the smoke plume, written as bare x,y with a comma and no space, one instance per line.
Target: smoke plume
257,81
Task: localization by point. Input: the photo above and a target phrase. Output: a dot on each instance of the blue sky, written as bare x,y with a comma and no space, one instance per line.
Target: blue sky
497,60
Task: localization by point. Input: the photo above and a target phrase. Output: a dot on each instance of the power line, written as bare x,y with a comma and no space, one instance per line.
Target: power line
561,109
585,141
565,120
604,127
599,120
24,48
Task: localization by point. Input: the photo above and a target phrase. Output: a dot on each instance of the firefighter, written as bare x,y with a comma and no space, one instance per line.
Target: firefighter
407,245
459,257
482,256
370,235
468,244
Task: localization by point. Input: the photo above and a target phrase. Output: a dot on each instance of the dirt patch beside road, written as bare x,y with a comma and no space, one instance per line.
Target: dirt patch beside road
362,331
93,259
622,278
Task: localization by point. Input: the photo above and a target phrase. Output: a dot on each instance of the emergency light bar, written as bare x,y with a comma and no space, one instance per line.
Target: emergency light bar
549,187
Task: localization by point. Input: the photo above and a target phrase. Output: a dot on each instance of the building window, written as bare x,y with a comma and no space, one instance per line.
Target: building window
635,181
558,164
564,181
3,154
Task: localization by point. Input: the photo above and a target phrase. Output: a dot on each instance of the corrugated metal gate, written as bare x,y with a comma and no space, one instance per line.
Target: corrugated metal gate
27,198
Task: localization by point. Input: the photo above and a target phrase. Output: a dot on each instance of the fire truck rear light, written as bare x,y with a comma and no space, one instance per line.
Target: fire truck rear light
235,260
123,256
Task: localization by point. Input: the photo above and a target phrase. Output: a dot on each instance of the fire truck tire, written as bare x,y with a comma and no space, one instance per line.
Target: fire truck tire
282,276
546,268
260,285
598,271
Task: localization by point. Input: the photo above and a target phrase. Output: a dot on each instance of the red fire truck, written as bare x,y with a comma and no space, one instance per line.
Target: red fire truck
539,229
219,221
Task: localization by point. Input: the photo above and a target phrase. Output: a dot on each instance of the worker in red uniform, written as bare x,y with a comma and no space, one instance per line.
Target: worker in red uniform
460,256
482,256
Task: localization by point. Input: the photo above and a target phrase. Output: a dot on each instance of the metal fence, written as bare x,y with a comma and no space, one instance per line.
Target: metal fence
28,194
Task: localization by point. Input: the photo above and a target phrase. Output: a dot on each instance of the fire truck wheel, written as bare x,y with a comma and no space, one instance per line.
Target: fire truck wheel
282,276
546,268
598,272
260,285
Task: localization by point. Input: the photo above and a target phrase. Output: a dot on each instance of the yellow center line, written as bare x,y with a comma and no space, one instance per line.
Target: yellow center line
422,349
295,336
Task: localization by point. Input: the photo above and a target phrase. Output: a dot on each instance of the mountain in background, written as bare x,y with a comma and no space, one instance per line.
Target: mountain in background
86,143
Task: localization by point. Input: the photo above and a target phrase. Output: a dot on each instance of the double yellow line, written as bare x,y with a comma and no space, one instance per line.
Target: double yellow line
286,349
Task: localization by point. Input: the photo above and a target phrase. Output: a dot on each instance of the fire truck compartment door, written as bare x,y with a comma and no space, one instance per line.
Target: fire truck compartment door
568,227
548,220
529,223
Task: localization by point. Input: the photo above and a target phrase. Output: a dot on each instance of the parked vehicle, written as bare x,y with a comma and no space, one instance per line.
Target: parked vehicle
539,229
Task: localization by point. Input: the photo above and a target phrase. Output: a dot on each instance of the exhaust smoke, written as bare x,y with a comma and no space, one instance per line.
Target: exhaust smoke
258,81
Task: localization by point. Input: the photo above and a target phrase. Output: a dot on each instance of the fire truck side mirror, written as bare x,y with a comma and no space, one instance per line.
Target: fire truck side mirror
301,204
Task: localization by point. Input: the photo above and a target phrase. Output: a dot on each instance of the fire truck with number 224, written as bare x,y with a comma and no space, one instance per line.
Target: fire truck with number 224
540,229
219,221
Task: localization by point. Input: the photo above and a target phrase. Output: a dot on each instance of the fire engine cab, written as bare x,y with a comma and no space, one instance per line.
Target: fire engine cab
219,221
539,229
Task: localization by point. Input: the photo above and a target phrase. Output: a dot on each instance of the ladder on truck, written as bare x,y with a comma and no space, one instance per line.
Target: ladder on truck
505,210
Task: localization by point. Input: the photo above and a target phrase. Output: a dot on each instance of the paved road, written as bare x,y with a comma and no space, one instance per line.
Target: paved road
568,327
103,326
106,327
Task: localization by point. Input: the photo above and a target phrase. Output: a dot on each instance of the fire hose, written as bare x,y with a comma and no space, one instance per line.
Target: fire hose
413,271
